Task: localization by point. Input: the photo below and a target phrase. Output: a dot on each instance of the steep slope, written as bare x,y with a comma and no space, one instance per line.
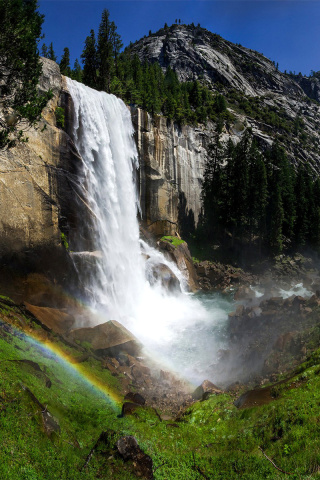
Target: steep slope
259,96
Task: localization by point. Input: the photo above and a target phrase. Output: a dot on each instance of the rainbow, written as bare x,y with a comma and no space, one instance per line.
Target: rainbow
75,368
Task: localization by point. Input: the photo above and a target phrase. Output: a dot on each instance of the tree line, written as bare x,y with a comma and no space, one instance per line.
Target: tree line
106,68
259,198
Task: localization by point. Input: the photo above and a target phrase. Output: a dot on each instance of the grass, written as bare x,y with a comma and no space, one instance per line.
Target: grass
212,439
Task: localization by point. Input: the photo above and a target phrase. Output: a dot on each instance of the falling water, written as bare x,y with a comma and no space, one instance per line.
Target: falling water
120,288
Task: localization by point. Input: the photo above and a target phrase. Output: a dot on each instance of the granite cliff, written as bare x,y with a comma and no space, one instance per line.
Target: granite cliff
39,180
273,104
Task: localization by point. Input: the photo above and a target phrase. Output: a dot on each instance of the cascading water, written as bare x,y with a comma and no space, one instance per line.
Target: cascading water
119,288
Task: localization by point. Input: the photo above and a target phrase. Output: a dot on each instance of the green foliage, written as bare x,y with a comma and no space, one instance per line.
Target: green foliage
145,85
20,69
65,63
48,52
64,241
60,117
213,439
90,62
249,196
76,73
175,241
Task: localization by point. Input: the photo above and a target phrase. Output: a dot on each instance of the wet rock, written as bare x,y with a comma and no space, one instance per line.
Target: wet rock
163,274
110,339
52,318
244,293
182,257
254,398
50,425
205,389
313,301
284,341
129,449
135,398
129,408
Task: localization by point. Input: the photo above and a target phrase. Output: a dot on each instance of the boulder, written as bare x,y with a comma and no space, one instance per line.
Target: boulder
181,255
110,339
135,398
129,449
163,274
56,320
205,389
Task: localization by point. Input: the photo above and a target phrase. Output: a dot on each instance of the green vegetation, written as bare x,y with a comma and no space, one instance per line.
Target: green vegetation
143,84
65,62
175,241
60,117
259,198
20,69
212,439
64,241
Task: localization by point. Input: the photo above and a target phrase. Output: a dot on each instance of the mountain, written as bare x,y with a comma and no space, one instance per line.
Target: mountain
273,104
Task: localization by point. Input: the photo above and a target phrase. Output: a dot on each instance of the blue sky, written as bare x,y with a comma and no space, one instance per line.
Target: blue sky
286,31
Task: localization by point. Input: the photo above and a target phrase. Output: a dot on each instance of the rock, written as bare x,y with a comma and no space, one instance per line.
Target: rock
135,398
283,342
244,293
206,388
129,408
180,254
110,339
254,398
52,318
129,449
50,425
164,275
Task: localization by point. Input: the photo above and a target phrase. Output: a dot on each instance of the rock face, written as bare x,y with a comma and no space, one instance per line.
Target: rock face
172,160
249,81
37,194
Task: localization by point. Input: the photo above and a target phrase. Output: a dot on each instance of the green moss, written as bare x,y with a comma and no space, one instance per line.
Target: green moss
64,241
175,241
212,439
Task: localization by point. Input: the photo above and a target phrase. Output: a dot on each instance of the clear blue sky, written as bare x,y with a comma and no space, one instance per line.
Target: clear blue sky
286,31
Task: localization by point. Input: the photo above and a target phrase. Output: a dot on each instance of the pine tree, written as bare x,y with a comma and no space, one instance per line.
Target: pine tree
44,51
275,233
89,58
109,45
65,63
257,193
303,190
76,73
51,53
20,69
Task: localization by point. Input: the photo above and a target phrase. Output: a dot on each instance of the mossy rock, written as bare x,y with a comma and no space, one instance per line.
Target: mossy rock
175,241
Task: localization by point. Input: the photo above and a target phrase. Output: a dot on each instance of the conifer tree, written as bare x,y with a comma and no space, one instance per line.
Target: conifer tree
51,53
20,69
65,63
109,45
44,51
76,73
90,61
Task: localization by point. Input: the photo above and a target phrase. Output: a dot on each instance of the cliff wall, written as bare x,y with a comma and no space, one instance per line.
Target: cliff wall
36,193
40,181
172,162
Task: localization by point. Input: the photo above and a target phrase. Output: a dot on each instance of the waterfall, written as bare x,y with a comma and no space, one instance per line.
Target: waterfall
118,285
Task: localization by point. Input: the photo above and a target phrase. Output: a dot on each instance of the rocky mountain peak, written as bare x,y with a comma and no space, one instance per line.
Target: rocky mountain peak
259,96
197,54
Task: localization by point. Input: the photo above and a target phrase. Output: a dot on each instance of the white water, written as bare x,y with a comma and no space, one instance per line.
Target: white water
119,287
